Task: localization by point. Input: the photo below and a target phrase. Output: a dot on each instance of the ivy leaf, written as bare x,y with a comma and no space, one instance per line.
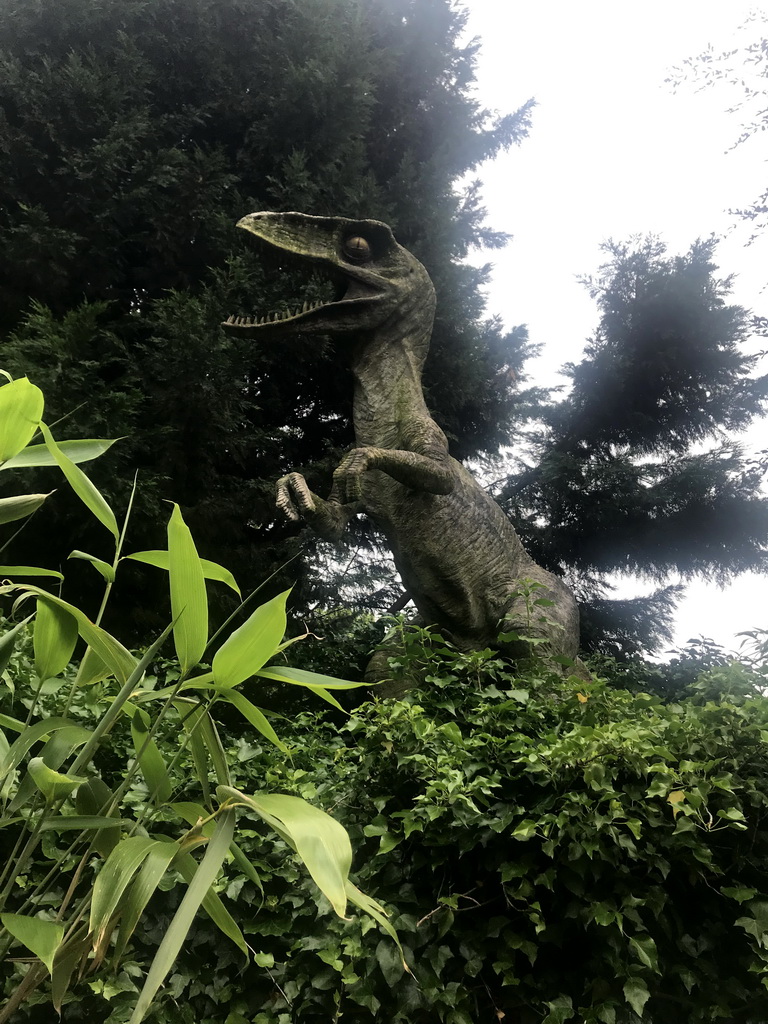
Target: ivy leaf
637,995
560,1009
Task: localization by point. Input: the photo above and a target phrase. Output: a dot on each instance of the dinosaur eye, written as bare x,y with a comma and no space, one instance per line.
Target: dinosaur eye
357,249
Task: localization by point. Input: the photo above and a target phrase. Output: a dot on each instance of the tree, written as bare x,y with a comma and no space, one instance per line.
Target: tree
740,74
133,135
636,470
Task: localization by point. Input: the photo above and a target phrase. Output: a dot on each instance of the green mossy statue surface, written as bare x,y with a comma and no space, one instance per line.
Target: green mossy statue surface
457,553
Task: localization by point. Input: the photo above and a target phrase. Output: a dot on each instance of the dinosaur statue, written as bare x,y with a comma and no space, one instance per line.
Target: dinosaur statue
459,557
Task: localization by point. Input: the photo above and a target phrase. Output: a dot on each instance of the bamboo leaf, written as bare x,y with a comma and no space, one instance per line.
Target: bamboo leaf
378,913
312,680
190,713
78,822
52,784
76,451
104,568
81,485
42,938
120,661
67,958
149,877
212,905
215,749
246,650
55,636
320,841
177,931
19,506
21,409
189,601
113,879
151,762
8,642
55,752
32,734
211,570
253,715
27,570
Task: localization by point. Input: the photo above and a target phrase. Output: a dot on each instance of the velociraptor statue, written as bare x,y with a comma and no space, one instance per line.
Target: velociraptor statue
457,553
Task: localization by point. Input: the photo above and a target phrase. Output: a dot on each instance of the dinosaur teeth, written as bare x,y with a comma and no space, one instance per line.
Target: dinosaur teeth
231,319
305,307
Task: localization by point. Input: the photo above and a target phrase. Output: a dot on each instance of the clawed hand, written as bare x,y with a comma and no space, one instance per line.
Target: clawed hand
294,498
347,479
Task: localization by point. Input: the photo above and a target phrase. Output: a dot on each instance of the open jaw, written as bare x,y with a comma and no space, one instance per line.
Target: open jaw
343,294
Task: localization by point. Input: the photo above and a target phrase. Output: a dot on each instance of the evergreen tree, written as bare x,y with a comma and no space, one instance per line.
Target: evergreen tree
133,135
636,471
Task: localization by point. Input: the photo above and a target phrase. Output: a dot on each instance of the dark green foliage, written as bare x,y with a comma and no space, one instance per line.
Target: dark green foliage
133,135
551,850
632,473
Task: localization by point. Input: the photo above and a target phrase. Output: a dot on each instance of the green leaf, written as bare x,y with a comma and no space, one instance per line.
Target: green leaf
112,881
560,1009
311,680
253,715
78,822
53,785
8,642
42,938
182,920
151,762
192,813
246,650
119,660
104,568
378,913
57,749
76,451
149,877
81,485
189,601
55,636
390,963
211,570
320,841
27,570
644,948
21,409
739,893
318,683
32,734
19,506
525,830
636,993
190,713
212,905
92,800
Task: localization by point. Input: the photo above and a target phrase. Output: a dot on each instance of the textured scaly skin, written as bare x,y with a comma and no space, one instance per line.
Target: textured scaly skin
457,553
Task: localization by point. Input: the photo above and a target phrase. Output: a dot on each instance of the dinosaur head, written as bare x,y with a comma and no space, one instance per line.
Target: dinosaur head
375,279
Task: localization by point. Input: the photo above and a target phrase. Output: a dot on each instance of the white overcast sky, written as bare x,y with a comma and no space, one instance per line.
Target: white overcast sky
614,152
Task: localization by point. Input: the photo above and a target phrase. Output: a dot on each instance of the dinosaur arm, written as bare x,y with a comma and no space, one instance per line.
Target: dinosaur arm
327,518
419,472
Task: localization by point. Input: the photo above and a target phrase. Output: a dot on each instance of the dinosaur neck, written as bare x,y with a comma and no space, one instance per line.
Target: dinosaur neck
387,370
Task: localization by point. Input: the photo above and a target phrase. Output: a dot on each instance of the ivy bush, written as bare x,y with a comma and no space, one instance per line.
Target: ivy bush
553,850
